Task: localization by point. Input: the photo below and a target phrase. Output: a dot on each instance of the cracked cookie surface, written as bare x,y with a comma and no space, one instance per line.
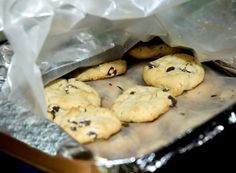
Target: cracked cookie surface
142,104
62,94
174,73
89,124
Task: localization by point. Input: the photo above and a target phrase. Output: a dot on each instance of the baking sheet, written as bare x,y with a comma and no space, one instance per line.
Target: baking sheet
193,108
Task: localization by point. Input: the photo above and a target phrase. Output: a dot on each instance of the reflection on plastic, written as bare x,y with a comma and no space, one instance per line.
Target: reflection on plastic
50,33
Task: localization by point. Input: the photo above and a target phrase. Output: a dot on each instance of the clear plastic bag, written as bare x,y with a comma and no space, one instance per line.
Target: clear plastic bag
46,35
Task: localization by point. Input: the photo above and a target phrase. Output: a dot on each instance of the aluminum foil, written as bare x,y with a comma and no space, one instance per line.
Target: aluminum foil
47,137
6,54
197,137
26,126
38,132
51,38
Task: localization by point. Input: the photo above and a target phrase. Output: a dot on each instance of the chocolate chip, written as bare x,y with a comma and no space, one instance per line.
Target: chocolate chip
125,124
54,110
132,93
183,114
120,88
84,123
165,89
150,65
74,122
170,69
110,84
173,100
112,72
73,128
67,91
214,95
53,116
92,134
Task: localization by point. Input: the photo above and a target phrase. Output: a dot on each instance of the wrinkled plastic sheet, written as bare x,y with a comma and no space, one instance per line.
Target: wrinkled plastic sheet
48,36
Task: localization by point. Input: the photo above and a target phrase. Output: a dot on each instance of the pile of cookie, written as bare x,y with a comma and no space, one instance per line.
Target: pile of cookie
76,106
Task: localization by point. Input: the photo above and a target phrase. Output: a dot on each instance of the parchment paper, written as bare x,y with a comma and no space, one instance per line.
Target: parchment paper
193,108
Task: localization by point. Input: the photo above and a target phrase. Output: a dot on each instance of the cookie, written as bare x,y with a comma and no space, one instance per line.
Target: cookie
142,104
102,71
89,124
174,73
63,94
152,51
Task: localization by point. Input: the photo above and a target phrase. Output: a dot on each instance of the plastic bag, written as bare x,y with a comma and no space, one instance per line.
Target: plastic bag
48,34
206,26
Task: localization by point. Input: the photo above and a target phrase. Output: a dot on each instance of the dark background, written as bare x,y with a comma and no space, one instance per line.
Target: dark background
217,154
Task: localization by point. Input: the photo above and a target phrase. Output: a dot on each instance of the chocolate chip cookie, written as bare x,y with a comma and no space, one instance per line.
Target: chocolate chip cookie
152,51
142,104
102,71
63,94
174,73
89,124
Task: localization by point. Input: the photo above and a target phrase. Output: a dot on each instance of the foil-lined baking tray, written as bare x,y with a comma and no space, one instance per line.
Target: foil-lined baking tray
138,146
60,33
193,108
